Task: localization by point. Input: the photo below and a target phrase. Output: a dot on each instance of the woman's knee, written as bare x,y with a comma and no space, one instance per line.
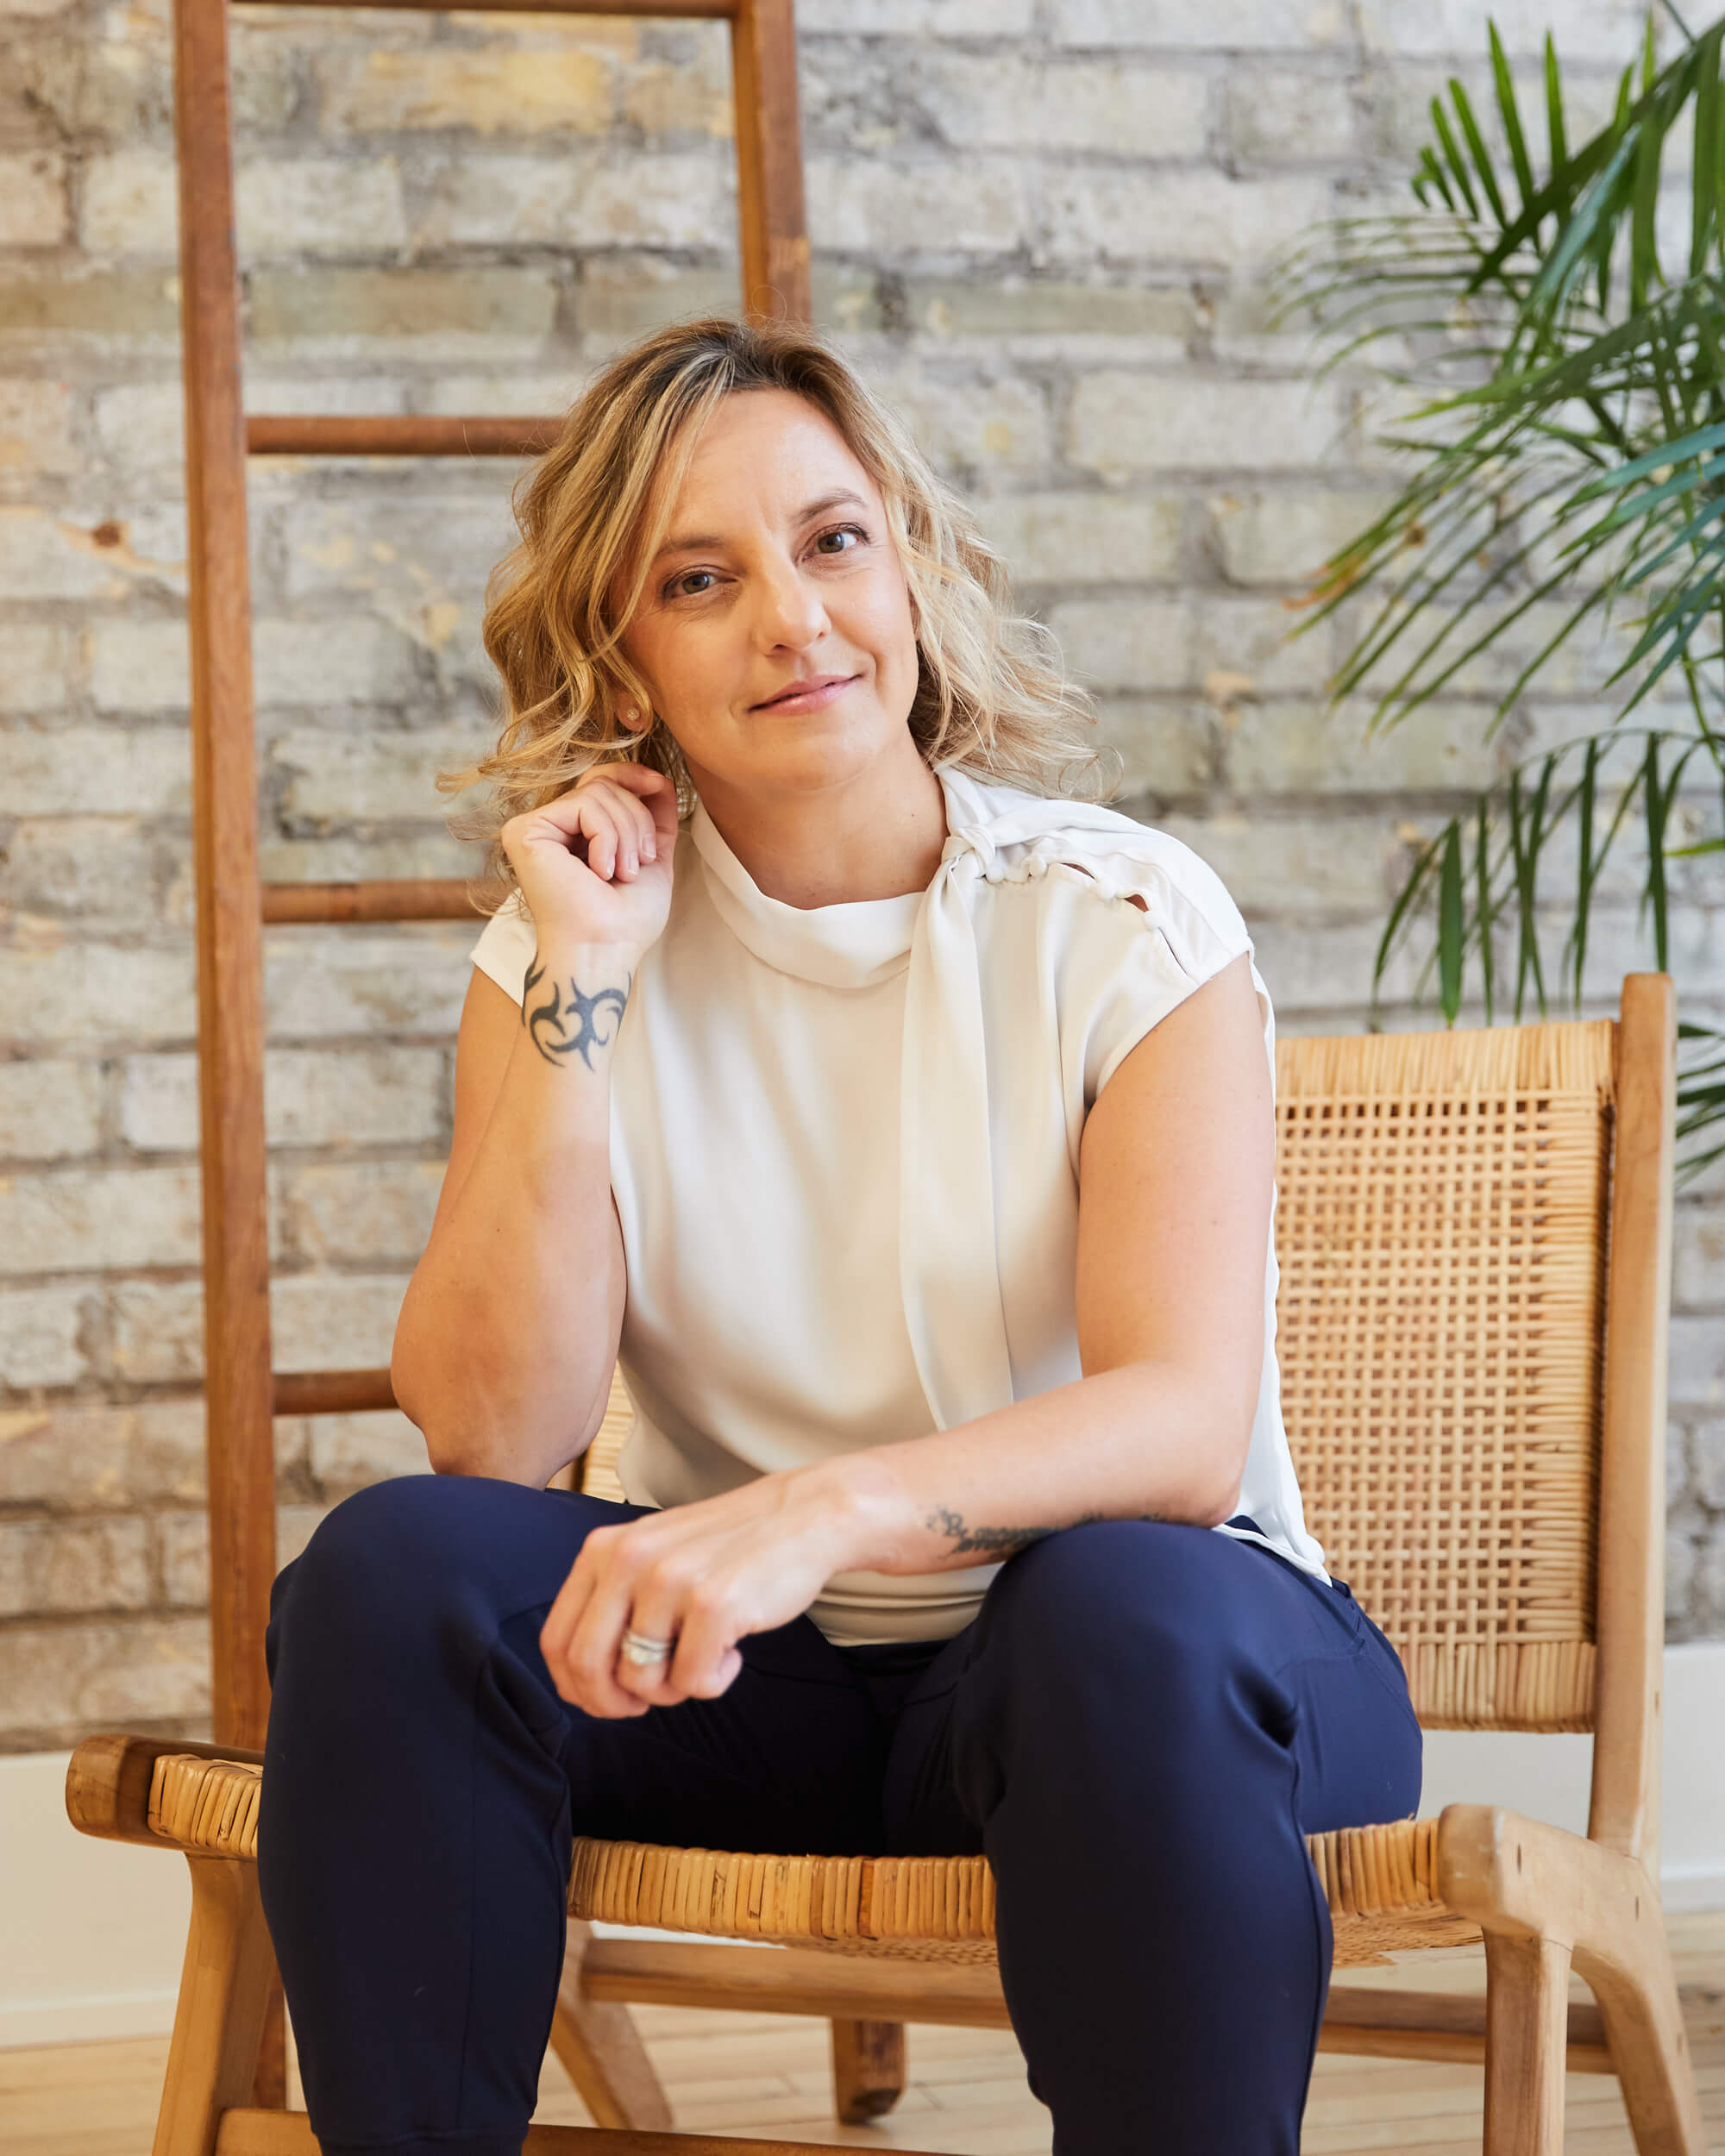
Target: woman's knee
1118,1598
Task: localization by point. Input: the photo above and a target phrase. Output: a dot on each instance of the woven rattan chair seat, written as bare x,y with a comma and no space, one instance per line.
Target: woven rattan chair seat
1380,1881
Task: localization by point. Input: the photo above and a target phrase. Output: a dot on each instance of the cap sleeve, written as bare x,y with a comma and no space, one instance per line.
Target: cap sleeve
1157,925
505,950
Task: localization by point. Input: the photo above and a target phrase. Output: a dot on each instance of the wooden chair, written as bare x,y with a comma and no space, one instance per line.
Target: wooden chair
1474,1232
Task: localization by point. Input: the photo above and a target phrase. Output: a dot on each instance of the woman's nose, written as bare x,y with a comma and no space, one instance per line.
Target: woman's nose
792,611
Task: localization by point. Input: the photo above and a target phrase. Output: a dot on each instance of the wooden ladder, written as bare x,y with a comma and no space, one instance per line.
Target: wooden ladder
242,1393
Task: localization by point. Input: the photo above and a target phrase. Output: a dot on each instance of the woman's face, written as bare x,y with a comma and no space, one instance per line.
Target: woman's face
775,628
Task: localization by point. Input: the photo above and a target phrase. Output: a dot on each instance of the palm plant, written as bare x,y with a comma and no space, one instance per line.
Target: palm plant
1567,387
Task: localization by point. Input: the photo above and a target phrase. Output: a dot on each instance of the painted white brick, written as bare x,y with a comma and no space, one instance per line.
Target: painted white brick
406,982
32,199
1284,536
363,1213
1124,422
350,1452
43,555
1129,214
63,1566
1094,538
1697,1361
913,18
39,1343
129,204
77,1219
334,1320
1307,748
1698,1277
35,426
1004,101
319,206
1248,640
353,1096
49,1109
1164,747
157,1331
339,778
58,1683
1126,643
185,1541
998,423
59,994
1201,25
1298,865
95,770
1276,116
80,1458
1708,1441
684,200
40,668
1607,30
98,869
973,205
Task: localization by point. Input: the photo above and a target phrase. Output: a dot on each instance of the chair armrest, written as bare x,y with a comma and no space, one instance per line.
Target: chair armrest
1515,1874
108,1784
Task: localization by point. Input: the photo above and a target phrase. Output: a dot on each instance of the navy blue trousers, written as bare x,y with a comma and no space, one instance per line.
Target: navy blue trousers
1137,1729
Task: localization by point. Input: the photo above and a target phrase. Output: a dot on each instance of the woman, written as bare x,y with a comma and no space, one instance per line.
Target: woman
905,1128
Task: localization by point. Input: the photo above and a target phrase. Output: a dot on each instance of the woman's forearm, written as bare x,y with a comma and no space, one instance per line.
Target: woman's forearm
1145,1441
508,1332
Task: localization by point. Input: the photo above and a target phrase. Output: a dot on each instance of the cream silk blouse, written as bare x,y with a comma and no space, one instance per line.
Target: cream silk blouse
844,1153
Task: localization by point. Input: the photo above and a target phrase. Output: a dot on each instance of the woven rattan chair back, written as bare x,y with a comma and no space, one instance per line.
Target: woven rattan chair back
1441,1233
1441,1230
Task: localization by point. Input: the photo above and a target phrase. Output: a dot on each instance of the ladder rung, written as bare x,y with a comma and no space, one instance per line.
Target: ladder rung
395,434
330,1392
395,899
687,10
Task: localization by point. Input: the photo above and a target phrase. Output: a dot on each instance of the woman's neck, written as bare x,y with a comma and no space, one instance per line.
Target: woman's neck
878,834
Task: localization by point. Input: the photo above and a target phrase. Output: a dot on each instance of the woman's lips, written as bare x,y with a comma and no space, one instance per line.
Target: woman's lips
809,695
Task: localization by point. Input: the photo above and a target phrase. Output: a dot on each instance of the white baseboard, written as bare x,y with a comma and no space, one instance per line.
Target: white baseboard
93,1931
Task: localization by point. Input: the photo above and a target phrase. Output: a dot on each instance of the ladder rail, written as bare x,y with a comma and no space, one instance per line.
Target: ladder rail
241,1391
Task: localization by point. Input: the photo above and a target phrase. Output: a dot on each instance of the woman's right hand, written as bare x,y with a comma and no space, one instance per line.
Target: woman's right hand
595,865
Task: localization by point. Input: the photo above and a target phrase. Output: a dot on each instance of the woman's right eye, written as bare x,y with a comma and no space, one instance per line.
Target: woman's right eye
690,584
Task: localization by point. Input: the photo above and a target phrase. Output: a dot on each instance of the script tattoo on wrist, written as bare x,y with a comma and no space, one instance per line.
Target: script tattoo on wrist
968,1541
560,1026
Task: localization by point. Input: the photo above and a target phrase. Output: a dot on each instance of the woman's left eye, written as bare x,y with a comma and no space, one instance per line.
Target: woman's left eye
841,539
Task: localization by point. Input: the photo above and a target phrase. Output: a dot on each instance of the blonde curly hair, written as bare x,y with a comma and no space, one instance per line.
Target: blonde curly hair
991,695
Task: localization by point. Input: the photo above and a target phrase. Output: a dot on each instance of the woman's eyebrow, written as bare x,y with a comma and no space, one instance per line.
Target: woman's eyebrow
698,542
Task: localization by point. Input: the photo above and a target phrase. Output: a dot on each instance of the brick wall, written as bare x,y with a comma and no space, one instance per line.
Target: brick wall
1039,226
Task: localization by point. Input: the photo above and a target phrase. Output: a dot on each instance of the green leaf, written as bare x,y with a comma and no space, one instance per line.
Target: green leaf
1451,923
1453,158
1654,814
1510,114
1705,166
1644,260
1483,909
1402,911
1481,155
1561,192
1586,870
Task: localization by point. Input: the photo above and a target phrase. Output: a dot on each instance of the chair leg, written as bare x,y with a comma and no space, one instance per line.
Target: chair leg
1527,2039
601,2050
223,1989
1638,2002
867,2069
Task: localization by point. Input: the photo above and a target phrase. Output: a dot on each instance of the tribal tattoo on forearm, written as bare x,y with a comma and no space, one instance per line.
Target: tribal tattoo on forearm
562,1025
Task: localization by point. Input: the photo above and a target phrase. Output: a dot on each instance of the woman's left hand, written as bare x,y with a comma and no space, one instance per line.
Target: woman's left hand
702,1577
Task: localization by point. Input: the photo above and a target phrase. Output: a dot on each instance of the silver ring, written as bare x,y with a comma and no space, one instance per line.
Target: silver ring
644,1652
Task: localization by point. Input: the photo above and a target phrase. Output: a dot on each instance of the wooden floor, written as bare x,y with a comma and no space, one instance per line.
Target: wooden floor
760,2074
